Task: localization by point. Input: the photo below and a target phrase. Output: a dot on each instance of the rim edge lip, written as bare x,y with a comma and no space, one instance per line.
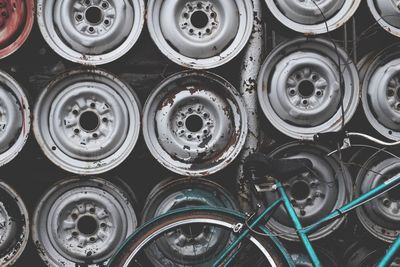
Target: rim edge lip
54,187
370,71
26,227
17,147
154,150
315,28
383,23
92,60
23,36
275,120
200,64
77,170
172,182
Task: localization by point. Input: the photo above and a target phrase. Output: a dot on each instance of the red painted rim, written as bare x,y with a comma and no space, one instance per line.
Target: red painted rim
16,21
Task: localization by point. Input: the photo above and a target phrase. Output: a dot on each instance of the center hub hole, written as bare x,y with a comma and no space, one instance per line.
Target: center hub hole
89,121
300,190
394,194
93,15
306,88
199,19
194,123
398,93
192,230
87,225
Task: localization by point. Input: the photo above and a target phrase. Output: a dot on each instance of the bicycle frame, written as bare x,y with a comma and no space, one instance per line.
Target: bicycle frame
303,232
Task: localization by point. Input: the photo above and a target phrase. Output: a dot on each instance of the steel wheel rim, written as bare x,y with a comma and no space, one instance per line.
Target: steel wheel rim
216,222
15,118
380,96
322,196
103,203
105,35
194,98
334,20
85,148
292,112
13,237
379,217
385,14
16,25
204,35
176,193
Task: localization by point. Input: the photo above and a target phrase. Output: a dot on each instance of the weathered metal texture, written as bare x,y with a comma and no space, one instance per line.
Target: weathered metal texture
314,193
299,89
386,13
16,21
176,249
91,32
87,121
380,216
15,118
200,34
366,253
80,222
251,63
194,123
14,225
313,16
381,93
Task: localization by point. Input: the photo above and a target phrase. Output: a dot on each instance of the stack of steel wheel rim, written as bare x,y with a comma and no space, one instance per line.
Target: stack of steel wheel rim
186,90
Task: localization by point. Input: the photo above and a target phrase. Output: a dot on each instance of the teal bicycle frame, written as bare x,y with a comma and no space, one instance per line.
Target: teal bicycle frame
258,223
303,232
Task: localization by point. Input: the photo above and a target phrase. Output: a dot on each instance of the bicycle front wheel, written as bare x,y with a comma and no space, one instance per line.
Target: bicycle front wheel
195,238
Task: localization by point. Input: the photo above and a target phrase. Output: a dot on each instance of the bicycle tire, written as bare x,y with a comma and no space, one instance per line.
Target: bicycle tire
147,233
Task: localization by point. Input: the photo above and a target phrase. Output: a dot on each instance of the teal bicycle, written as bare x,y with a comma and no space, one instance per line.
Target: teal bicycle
205,236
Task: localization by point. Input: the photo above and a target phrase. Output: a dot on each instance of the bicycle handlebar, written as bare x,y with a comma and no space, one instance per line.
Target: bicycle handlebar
340,137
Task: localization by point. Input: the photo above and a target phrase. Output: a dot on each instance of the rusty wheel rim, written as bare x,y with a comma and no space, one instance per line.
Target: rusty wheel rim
194,123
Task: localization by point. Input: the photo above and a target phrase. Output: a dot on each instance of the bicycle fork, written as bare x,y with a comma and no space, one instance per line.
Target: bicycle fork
297,224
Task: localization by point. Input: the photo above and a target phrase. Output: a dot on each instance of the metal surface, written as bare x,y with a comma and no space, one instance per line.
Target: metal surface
200,34
314,193
386,13
250,68
15,121
177,247
313,17
16,21
194,123
14,225
299,90
381,216
183,192
301,259
87,121
82,222
91,32
381,93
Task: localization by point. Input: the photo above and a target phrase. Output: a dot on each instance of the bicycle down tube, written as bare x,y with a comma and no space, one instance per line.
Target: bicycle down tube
303,232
